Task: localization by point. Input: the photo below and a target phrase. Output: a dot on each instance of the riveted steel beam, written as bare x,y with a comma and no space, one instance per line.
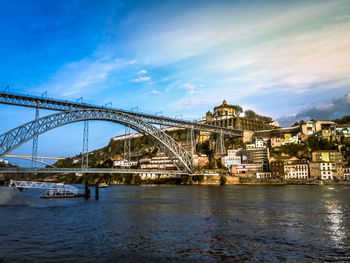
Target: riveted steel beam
64,105
17,136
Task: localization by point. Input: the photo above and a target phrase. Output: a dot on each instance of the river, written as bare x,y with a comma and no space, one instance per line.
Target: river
167,223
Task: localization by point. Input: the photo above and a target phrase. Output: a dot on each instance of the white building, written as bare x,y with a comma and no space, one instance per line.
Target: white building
296,169
259,143
232,158
124,163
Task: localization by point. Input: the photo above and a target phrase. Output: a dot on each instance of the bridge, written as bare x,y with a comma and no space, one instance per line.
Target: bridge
38,158
88,170
70,112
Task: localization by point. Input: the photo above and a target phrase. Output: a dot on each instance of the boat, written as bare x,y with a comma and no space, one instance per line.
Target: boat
61,193
103,185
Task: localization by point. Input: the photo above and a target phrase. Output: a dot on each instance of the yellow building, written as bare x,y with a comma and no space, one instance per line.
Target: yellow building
332,156
204,136
325,129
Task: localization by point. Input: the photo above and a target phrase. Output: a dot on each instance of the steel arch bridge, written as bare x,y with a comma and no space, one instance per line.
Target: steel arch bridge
19,135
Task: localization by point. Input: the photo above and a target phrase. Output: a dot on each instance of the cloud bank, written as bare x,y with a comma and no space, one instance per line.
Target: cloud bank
335,109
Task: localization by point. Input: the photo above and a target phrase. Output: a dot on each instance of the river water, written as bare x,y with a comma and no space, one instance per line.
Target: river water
166,223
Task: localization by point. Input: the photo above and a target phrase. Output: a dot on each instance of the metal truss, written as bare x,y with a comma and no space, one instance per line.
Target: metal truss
220,144
127,145
85,152
89,170
64,105
191,141
35,141
17,136
42,185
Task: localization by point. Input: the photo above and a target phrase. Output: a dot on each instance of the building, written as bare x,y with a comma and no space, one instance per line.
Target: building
124,163
277,166
159,162
295,168
323,170
346,172
263,175
200,160
247,170
227,116
203,136
325,129
232,158
332,156
258,156
343,130
259,143
276,142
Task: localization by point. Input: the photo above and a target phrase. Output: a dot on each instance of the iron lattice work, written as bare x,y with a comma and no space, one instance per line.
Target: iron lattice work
17,136
127,145
35,141
85,152
64,105
220,144
191,141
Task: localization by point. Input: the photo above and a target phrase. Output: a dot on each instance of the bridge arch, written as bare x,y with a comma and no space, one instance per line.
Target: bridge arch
30,159
21,134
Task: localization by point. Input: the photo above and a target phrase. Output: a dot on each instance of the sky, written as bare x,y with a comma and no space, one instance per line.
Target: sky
284,59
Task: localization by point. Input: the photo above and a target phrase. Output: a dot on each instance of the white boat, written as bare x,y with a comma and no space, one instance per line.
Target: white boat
103,185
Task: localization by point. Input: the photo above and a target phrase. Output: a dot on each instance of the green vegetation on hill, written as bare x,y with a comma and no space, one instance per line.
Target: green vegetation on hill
140,147
344,120
252,115
304,150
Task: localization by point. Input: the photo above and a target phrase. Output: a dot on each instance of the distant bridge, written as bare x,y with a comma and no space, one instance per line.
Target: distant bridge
38,158
70,112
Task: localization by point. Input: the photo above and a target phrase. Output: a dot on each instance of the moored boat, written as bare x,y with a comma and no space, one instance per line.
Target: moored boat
103,185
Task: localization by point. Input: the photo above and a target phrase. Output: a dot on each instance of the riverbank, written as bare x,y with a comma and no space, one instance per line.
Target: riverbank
197,179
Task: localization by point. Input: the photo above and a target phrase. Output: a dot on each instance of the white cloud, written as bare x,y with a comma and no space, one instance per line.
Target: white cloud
191,89
337,108
142,71
141,79
287,48
79,77
189,86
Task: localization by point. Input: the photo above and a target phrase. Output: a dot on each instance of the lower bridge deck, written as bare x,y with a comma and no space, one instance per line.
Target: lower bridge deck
89,170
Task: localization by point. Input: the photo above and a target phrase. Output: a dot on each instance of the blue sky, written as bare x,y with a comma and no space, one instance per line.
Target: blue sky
278,58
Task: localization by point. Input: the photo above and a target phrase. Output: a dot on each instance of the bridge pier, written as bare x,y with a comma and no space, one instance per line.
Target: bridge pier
87,191
97,191
36,138
220,144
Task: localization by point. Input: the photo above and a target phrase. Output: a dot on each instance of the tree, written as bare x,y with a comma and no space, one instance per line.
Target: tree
250,114
344,120
238,110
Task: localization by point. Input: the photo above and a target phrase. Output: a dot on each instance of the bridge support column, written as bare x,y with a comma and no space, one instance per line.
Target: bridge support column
85,152
191,141
87,191
97,191
127,144
220,143
36,138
